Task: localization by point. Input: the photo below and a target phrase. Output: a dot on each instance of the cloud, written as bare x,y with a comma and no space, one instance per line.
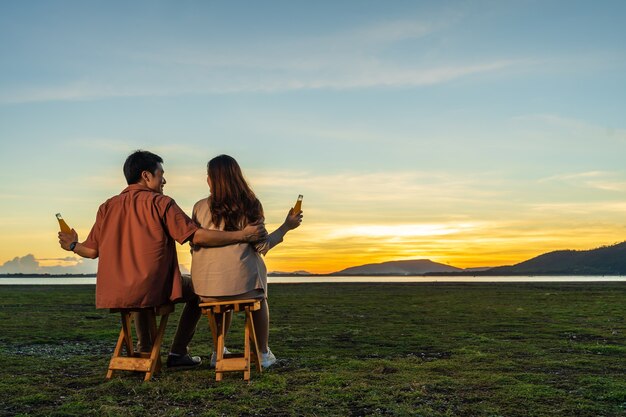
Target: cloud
581,208
306,53
598,180
77,90
353,59
28,264
574,127
391,31
380,75
401,230
113,145
575,176
352,187
355,75
66,259
127,145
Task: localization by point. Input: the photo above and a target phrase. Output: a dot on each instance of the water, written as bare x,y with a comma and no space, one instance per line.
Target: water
49,281
299,280
354,279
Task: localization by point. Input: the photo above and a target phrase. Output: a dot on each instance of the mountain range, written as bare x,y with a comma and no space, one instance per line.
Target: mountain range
605,260
408,267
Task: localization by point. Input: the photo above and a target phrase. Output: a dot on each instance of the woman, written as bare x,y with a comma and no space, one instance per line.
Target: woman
235,271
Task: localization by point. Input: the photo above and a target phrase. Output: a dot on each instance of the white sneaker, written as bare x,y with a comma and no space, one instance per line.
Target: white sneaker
214,356
267,359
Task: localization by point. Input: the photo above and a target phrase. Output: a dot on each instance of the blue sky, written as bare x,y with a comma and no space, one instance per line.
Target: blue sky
465,132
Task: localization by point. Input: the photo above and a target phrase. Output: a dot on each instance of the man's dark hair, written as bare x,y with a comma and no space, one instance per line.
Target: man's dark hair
138,162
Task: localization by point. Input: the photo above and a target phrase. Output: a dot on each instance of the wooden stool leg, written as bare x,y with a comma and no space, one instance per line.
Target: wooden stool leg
154,334
128,333
162,325
117,352
156,345
246,349
220,348
256,354
124,340
213,327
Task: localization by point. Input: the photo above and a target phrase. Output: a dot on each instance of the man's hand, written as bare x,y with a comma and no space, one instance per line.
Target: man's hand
254,232
65,239
293,220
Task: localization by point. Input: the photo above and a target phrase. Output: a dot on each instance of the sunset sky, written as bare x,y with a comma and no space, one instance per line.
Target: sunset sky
473,133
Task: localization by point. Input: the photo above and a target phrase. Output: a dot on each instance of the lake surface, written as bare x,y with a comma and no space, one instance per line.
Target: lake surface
355,279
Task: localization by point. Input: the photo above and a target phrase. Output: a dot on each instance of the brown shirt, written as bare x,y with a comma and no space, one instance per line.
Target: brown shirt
134,234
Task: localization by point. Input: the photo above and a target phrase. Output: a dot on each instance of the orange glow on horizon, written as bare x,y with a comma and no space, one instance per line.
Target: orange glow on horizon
479,247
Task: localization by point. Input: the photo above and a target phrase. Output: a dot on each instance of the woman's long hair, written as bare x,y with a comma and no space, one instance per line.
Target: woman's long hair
232,201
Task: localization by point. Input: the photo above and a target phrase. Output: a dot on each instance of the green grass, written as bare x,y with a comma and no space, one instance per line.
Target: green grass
344,349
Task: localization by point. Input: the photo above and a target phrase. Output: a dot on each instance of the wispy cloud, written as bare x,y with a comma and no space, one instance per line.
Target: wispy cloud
599,180
574,126
580,208
78,90
103,144
126,146
352,59
304,53
401,230
356,75
379,186
389,32
66,259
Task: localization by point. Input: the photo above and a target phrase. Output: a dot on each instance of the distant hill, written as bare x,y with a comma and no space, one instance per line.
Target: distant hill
408,267
294,273
478,269
606,260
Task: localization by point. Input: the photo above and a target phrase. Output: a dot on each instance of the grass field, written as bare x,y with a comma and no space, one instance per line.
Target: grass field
343,349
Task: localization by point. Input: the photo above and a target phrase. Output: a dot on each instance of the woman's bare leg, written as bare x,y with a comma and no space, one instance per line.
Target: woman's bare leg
262,325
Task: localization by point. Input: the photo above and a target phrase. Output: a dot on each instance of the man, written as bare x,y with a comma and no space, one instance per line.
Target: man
133,237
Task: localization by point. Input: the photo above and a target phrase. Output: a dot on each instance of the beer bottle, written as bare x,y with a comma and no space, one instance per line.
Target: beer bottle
298,206
64,227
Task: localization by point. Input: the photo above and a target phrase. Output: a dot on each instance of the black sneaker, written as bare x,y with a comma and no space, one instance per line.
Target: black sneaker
182,361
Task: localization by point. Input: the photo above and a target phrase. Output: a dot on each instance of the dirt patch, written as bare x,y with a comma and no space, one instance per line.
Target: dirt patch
430,356
585,337
59,351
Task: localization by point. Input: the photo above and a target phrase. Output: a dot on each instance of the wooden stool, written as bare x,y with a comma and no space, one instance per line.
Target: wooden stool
150,363
233,362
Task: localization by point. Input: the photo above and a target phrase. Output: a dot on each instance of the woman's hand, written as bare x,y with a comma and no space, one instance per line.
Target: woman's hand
293,220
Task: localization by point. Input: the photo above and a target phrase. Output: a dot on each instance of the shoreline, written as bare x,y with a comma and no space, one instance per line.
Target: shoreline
385,280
